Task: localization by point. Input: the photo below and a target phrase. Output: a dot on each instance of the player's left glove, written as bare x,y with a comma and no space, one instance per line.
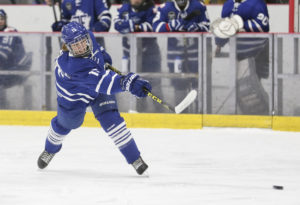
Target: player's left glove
135,84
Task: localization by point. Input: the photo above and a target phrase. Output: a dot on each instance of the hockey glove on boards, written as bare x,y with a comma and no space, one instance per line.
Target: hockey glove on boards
136,85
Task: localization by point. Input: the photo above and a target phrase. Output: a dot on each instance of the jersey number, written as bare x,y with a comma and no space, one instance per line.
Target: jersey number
264,19
7,40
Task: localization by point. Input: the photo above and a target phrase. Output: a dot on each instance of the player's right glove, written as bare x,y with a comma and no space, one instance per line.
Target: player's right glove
136,85
57,26
175,25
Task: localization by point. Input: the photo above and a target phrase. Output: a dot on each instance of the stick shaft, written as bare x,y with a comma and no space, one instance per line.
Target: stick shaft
54,12
149,94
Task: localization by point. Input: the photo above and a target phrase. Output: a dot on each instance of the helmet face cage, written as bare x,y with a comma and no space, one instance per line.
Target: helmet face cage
81,46
181,3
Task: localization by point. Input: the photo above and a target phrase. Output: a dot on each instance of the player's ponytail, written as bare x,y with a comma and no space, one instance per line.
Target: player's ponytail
64,47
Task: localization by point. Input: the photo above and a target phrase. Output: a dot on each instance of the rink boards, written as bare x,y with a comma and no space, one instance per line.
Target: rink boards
151,120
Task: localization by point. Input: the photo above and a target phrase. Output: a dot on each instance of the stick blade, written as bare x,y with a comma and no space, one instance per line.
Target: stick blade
191,97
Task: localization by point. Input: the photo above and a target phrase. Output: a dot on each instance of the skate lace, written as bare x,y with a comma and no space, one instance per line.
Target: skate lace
46,157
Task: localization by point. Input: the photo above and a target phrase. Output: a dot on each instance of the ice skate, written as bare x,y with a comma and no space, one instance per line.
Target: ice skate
44,159
140,166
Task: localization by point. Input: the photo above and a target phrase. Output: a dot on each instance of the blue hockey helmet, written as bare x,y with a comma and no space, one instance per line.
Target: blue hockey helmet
2,13
77,39
3,17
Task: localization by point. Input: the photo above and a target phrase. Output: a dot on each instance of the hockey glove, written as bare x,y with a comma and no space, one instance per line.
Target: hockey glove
57,26
227,27
175,25
136,85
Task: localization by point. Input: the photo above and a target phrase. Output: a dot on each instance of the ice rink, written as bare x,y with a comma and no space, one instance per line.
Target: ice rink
227,166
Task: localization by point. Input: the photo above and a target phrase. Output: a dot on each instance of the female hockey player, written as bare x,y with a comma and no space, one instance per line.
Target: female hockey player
82,81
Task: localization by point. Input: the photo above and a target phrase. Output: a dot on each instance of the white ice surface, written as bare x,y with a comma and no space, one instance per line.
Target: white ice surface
187,167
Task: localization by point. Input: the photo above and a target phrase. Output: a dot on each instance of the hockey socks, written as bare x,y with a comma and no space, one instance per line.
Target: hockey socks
55,137
114,125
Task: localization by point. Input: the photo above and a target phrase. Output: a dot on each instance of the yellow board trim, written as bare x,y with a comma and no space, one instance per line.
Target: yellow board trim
284,123
140,120
237,121
151,120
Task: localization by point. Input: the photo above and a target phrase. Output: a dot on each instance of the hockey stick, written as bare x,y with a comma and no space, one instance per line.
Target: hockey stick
53,9
191,96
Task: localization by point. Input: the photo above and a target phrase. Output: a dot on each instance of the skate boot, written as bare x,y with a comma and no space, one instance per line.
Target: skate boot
140,166
44,159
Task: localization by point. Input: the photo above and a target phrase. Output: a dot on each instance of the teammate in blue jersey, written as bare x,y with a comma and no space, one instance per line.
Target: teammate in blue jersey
254,14
81,81
93,14
137,16
182,16
247,16
12,56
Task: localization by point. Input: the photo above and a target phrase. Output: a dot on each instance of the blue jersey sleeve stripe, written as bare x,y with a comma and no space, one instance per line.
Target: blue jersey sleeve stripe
3,55
204,26
159,26
101,80
147,26
111,84
6,48
105,12
250,25
71,94
257,25
105,17
70,99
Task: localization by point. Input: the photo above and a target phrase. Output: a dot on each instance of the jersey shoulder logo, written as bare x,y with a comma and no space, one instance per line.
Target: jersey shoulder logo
82,18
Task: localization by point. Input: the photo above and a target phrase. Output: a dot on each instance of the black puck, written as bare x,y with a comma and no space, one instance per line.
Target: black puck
278,187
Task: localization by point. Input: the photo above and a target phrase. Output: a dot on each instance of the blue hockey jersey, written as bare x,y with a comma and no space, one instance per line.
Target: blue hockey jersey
80,80
87,13
256,19
127,20
11,49
185,49
253,12
13,57
128,17
195,11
